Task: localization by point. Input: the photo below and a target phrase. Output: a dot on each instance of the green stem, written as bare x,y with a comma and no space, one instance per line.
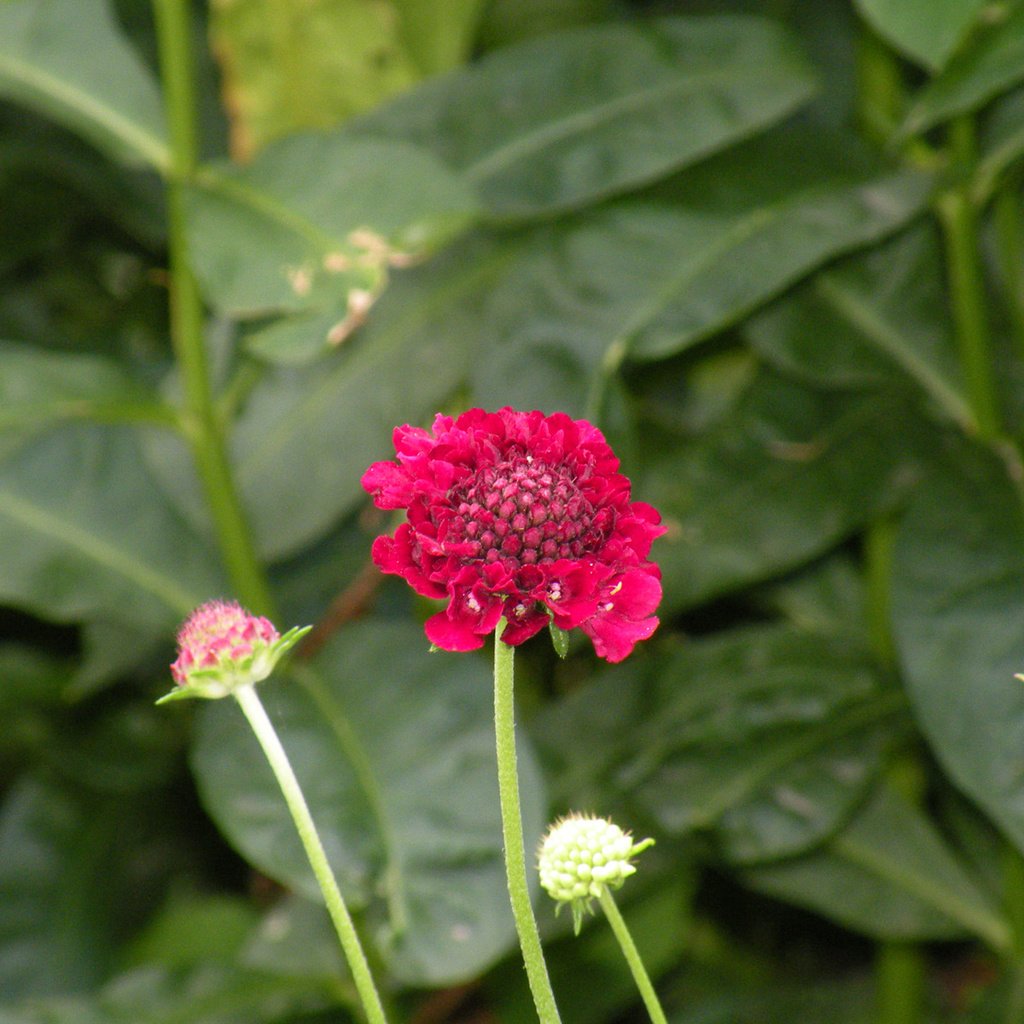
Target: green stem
879,87
254,711
959,220
512,831
202,426
632,955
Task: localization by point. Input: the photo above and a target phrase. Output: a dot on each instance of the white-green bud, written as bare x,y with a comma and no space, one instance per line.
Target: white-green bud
581,857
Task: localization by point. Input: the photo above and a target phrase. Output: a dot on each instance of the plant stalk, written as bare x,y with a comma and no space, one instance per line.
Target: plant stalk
959,220
201,425
633,958
253,709
512,831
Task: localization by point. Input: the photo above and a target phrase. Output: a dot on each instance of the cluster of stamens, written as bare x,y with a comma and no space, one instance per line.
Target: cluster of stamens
522,512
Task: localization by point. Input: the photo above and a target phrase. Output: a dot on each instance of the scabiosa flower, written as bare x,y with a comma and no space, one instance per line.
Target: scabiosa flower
520,515
581,857
221,647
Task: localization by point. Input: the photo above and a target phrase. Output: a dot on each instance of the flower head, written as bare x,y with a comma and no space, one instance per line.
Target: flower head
581,857
523,516
221,647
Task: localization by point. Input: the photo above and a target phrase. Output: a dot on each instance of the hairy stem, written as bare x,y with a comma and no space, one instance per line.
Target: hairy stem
512,831
632,955
202,426
254,711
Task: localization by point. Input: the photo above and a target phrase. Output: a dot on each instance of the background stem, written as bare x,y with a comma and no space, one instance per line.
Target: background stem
202,426
512,831
254,711
967,285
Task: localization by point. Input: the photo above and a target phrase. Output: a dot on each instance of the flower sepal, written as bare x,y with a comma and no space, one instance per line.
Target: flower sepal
221,647
559,639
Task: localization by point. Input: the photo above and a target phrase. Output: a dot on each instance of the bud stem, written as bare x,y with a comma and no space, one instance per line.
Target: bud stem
253,709
632,955
512,831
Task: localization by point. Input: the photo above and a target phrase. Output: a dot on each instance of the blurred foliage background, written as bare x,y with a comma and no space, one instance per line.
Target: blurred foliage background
774,249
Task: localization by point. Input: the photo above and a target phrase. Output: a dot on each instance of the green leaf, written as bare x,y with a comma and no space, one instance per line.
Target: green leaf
768,737
928,31
87,535
315,218
54,928
438,36
786,476
39,388
68,60
958,602
992,63
889,875
574,117
288,68
883,314
394,750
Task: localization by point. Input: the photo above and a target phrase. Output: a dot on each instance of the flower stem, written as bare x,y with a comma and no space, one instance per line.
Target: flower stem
202,426
254,711
632,955
512,831
959,220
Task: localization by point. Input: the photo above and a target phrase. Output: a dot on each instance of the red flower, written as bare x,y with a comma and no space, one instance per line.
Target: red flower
520,515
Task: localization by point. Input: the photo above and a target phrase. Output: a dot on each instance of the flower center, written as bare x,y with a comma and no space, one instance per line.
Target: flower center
522,512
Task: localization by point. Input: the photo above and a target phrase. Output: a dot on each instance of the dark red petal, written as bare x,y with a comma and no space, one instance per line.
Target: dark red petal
451,636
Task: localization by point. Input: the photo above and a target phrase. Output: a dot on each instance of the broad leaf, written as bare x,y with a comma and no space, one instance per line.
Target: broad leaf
438,37
316,218
87,535
926,30
992,63
958,605
571,118
287,68
769,738
787,475
890,875
395,752
878,315
68,60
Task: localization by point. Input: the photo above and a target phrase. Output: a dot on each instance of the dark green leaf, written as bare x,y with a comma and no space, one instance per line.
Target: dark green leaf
316,218
395,752
571,118
768,737
926,30
68,60
958,602
890,875
87,535
991,63
879,314
785,477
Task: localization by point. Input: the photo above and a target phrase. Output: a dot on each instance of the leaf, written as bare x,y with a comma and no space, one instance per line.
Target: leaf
288,68
958,581
54,930
992,63
39,388
647,280
889,875
316,218
67,60
883,314
438,37
786,476
395,753
574,117
87,535
768,737
928,31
